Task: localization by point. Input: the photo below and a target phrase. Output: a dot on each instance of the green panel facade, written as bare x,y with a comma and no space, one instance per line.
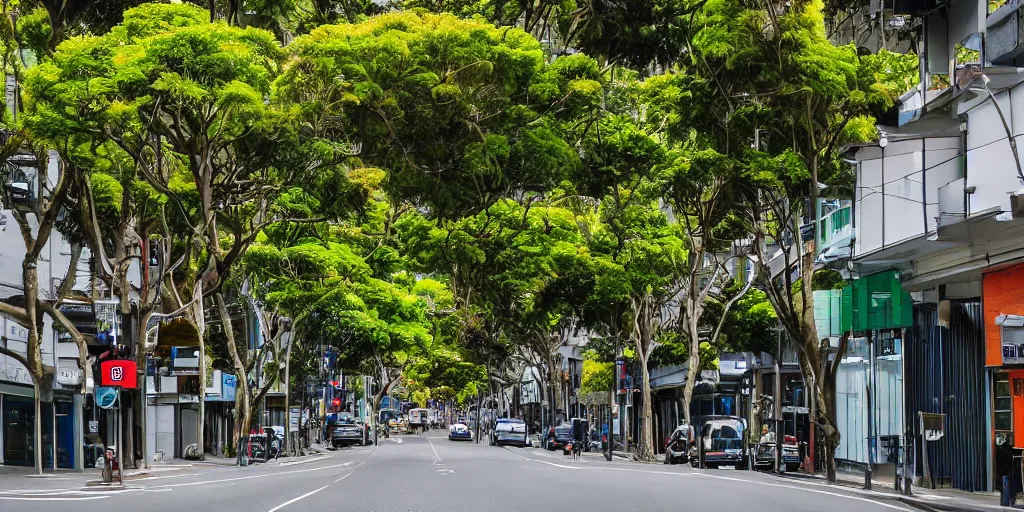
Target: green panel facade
876,302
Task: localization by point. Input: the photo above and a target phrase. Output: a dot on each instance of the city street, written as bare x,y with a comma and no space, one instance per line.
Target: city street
429,473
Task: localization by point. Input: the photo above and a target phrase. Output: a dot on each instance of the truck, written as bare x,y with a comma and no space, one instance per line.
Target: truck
419,420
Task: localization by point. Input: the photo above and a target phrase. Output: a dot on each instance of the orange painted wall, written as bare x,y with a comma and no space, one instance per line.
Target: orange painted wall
1002,293
1018,409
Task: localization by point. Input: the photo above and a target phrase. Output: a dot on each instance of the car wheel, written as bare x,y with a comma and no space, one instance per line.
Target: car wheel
792,467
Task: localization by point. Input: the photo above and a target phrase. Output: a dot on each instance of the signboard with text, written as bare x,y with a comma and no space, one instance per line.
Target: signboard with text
119,373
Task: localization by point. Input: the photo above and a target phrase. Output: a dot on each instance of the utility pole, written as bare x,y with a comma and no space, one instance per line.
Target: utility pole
908,447
611,400
777,406
479,417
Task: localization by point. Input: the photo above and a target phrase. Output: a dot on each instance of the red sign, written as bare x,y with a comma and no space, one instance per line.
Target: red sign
119,373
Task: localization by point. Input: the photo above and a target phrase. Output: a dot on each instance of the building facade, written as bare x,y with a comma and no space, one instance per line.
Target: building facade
940,200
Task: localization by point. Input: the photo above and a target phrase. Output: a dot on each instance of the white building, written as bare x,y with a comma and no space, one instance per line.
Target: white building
64,427
939,201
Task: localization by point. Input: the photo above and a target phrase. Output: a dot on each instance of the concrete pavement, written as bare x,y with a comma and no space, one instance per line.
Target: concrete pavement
428,473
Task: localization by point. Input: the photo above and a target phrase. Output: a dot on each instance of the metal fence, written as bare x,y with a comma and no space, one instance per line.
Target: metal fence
946,374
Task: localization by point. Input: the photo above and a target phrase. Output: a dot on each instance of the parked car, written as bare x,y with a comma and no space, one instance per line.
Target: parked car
722,441
346,432
459,431
510,431
677,449
558,437
765,455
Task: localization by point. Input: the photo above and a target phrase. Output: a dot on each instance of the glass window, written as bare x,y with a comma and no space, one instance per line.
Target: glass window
1003,415
1003,387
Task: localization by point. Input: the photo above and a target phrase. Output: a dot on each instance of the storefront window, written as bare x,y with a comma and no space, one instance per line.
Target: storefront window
1004,404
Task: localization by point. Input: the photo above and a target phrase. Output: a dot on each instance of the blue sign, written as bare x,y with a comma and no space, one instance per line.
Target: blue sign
229,386
106,397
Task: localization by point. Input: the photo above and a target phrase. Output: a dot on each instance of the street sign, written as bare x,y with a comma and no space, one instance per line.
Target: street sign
94,427
789,409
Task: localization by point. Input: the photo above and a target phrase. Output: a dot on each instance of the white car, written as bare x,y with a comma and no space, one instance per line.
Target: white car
459,431
510,431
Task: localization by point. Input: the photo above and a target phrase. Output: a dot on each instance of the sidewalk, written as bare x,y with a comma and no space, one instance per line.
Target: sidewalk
600,455
923,498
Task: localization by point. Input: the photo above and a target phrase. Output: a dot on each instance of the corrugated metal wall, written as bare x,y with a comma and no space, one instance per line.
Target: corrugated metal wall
946,374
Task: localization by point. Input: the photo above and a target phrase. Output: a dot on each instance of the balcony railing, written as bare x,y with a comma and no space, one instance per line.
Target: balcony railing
835,227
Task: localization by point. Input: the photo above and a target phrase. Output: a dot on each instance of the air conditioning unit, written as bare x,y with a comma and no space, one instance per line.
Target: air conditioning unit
1017,203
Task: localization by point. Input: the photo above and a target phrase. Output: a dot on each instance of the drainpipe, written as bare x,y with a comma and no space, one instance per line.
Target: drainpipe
907,439
870,411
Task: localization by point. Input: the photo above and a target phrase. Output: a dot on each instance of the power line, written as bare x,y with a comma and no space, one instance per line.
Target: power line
926,169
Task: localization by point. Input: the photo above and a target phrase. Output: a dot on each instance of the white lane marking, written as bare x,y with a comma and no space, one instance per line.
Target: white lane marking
887,505
38,491
27,498
446,471
250,477
151,478
784,486
439,459
310,493
301,461
293,500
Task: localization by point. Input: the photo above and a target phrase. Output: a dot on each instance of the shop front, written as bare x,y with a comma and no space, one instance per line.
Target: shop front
58,428
1003,303
870,393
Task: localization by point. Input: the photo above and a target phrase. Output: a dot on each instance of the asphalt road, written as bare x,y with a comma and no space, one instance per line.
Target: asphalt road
431,474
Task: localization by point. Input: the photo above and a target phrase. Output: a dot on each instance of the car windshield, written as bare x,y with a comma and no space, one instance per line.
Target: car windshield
563,430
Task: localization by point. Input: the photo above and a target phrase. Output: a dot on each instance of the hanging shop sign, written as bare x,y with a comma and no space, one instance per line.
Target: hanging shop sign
68,374
106,397
120,373
106,321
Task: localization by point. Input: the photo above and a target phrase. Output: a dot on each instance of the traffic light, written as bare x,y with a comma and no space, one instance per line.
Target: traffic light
336,403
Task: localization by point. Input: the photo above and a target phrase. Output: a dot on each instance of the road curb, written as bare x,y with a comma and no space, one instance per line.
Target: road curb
917,503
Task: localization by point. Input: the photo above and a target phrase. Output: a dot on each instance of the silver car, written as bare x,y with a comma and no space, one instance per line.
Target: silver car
510,431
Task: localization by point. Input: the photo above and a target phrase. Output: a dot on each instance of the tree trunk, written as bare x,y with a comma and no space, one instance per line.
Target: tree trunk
288,393
693,362
30,280
646,451
555,376
39,429
826,400
200,322
245,413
